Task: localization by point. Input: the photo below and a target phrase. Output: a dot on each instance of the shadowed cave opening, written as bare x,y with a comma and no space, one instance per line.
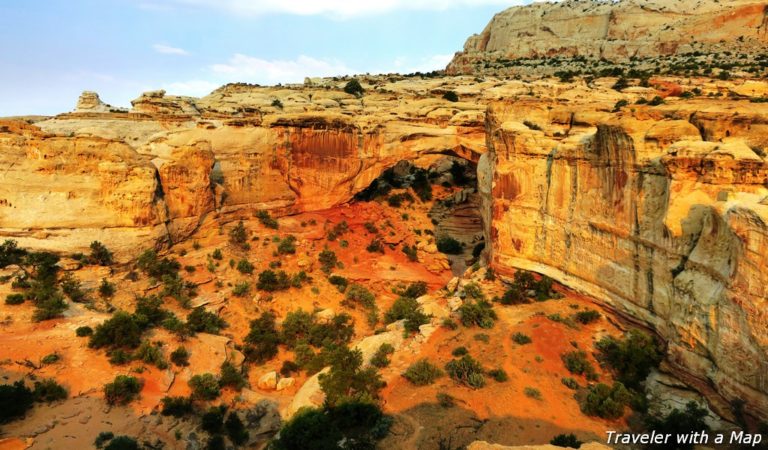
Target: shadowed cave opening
448,185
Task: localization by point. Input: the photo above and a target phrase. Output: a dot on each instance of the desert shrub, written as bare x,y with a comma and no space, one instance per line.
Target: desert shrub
357,294
460,351
678,422
328,260
244,266
449,324
149,312
656,101
339,281
566,440
84,331
620,84
102,438
451,96
212,421
287,246
423,373
499,375
605,401
289,368
106,289
14,299
236,429
271,281
72,288
521,338
231,376
15,400
413,290
533,393
241,289
151,353
338,331
577,363
296,327
238,235
347,380
48,390
357,424
121,330
570,383
267,220
180,357
156,268
380,358
477,313
174,286
118,357
277,103
375,246
620,104
445,400
176,406
354,87
587,316
632,358
205,386
123,390
411,252
10,253
409,309
338,230
466,371
202,321
449,245
100,254
262,339
123,443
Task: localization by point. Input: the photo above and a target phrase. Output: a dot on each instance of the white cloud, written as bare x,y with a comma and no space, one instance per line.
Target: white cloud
336,8
250,69
168,50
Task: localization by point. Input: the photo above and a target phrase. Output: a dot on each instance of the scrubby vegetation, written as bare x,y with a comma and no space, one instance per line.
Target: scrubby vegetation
577,363
677,422
423,372
467,371
123,390
477,313
602,400
407,308
631,358
566,440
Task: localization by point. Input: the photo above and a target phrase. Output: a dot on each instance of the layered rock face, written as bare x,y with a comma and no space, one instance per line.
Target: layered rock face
659,213
617,30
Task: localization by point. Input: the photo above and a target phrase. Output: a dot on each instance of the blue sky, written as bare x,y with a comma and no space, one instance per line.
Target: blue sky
54,49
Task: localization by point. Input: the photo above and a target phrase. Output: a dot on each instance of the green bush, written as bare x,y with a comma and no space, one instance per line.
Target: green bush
231,376
460,351
347,380
656,101
14,299
271,281
423,373
587,316
123,443
375,246
149,312
357,294
451,96
244,266
119,331
380,358
466,371
72,288
180,357
202,321
620,104
176,406
156,268
213,420
84,331
241,289
338,331
328,260
106,289
513,296
123,390
566,440
533,393
353,87
499,375
413,290
409,309
521,339
205,386
340,282
576,362
102,438
267,220
632,358
118,357
16,398
477,313
152,354
100,254
238,235
287,246
289,368
262,339
236,429
449,245
411,252
48,390
605,401
10,253
570,383
679,422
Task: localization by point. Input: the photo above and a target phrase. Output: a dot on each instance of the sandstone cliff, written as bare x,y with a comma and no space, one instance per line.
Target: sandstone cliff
616,31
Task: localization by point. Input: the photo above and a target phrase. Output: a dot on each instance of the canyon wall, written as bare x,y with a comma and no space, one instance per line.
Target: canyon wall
655,212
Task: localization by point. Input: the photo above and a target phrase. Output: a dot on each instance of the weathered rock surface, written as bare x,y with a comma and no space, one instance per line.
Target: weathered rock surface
616,30
661,224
